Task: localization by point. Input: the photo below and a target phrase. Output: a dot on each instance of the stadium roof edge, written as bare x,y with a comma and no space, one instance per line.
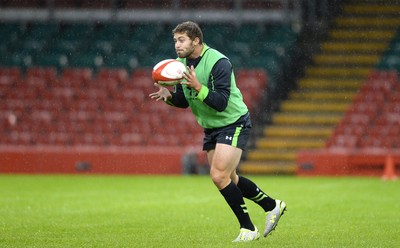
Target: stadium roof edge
135,15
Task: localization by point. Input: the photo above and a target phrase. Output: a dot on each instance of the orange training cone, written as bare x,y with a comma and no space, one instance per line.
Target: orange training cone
389,169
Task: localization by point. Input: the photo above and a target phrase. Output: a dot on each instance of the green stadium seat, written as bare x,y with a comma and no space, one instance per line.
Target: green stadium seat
391,58
63,46
75,32
216,35
247,32
146,32
92,61
165,48
236,60
240,48
111,31
102,48
19,59
31,46
41,31
121,61
11,31
389,63
131,47
58,61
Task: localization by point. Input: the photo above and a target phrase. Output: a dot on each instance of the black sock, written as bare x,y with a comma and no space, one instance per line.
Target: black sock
234,198
252,192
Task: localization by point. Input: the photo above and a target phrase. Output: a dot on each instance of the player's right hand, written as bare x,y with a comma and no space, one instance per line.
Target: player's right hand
162,93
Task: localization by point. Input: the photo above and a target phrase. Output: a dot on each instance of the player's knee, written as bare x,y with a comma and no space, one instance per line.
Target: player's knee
220,178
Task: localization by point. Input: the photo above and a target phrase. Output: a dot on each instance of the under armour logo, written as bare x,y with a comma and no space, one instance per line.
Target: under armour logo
228,137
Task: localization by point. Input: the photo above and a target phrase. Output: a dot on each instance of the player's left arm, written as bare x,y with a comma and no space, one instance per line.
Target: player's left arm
217,91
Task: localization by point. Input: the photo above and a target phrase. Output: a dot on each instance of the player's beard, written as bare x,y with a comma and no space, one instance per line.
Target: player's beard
186,53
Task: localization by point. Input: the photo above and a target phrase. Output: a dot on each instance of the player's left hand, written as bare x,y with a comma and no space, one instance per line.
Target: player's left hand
191,79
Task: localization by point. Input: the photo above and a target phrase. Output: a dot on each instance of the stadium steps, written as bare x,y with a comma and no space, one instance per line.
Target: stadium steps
351,47
294,118
285,142
370,35
309,131
328,84
307,119
375,8
301,106
367,22
325,70
334,59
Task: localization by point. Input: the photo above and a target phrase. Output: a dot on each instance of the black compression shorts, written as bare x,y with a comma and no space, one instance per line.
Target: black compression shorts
236,134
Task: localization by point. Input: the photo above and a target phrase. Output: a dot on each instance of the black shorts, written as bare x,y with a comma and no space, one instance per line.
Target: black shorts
236,134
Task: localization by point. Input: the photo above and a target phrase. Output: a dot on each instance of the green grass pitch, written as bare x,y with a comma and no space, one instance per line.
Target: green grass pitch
188,211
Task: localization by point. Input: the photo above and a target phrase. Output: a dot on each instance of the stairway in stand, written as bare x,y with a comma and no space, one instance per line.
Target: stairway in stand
352,49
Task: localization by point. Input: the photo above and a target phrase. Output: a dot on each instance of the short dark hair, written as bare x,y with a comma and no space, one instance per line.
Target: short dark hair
192,30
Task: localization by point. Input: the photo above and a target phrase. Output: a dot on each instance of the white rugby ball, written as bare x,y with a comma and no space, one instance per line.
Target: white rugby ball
168,72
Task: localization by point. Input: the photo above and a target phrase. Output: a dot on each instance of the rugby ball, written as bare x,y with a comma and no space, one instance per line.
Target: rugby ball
168,72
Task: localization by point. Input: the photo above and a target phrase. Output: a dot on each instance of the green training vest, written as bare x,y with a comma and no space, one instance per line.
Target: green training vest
206,116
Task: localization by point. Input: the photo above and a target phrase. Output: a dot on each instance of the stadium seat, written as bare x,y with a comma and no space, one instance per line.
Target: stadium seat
80,74
343,141
374,115
63,47
20,59
216,34
122,60
46,73
93,61
119,74
53,60
13,73
75,31
75,87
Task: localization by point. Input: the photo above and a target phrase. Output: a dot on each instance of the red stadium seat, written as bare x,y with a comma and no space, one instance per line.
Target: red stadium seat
80,74
132,139
46,73
374,117
119,74
390,75
141,83
370,97
79,108
141,72
13,73
344,141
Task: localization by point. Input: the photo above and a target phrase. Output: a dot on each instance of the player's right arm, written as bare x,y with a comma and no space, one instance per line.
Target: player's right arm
176,98
162,93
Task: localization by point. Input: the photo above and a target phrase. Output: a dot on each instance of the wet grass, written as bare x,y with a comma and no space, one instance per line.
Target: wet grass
181,211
